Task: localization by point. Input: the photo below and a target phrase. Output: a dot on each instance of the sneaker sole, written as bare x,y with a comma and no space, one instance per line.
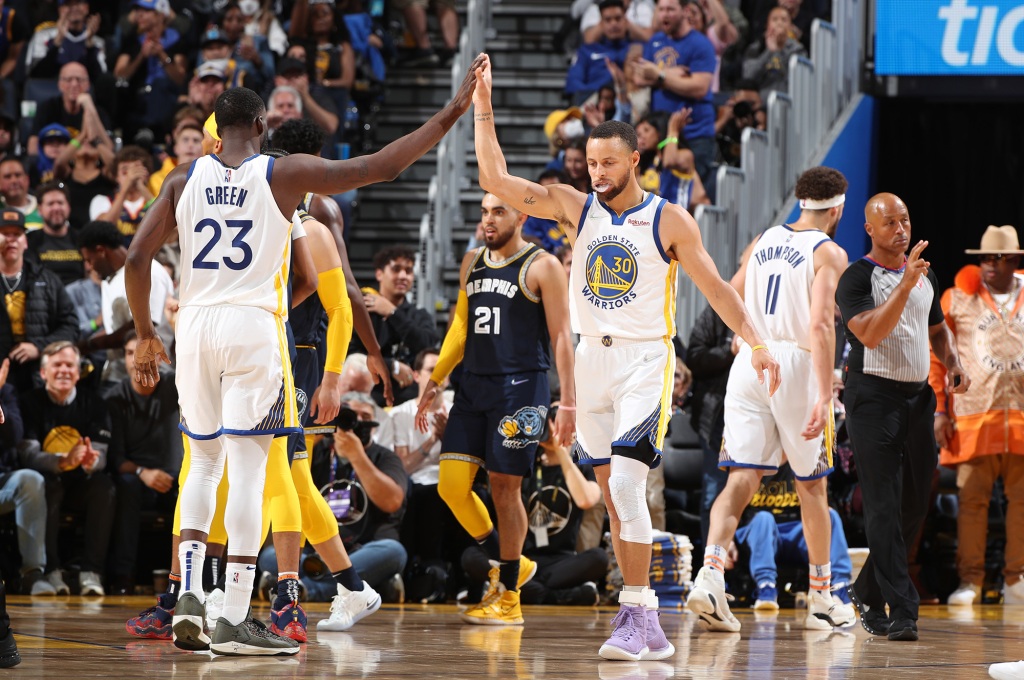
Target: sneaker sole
658,654
292,631
240,649
187,633
478,621
613,653
905,635
818,622
766,606
702,603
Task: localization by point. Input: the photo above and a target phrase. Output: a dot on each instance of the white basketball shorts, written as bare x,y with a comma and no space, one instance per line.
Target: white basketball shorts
763,432
233,373
623,395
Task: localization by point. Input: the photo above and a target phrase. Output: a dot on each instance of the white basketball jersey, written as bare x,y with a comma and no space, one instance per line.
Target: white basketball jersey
622,283
235,243
777,290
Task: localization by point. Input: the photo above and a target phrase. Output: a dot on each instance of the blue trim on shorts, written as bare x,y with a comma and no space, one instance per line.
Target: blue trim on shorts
731,463
826,473
241,433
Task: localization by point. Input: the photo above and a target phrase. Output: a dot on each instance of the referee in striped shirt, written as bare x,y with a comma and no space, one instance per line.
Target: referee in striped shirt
890,307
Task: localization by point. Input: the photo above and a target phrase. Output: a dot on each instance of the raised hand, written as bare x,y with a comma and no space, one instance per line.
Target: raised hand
482,82
915,267
466,94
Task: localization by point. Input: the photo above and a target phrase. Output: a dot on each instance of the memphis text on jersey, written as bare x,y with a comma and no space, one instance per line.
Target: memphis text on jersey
499,286
611,271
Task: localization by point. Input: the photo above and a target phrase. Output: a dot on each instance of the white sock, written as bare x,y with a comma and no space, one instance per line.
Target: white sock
821,577
191,555
238,591
714,558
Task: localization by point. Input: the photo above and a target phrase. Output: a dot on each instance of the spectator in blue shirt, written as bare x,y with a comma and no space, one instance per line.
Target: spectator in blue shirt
678,65
589,71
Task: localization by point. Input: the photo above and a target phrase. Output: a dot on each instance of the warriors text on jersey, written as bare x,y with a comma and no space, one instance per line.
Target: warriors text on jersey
508,331
235,242
623,284
777,289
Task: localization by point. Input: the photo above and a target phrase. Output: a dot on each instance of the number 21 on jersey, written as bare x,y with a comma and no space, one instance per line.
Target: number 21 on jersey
488,320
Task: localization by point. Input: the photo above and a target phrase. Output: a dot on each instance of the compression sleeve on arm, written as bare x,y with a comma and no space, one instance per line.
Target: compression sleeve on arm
333,293
454,346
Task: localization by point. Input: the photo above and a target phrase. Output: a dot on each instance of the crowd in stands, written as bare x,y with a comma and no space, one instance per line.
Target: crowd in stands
100,101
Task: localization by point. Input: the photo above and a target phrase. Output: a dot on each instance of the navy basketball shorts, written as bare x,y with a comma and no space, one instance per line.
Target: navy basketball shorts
497,421
307,379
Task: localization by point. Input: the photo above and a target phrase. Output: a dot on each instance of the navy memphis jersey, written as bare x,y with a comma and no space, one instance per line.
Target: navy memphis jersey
507,332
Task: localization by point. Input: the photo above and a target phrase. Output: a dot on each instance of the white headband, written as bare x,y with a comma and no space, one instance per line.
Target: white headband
811,204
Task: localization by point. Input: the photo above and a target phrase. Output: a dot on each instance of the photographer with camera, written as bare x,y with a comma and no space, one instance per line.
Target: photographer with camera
364,484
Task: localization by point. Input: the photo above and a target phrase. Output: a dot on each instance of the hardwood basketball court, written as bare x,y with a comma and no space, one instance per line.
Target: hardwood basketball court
74,637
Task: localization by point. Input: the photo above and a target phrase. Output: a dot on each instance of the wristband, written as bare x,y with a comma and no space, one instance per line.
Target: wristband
757,347
138,472
665,142
92,324
940,413
566,408
660,82
75,143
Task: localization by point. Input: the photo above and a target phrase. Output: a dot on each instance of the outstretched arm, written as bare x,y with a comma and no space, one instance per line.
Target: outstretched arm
557,202
681,240
295,175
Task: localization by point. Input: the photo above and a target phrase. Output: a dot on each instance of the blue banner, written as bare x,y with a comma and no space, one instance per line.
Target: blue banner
949,37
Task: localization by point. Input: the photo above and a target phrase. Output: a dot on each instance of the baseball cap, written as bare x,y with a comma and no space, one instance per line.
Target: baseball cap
211,68
10,217
214,35
162,6
290,66
557,117
54,131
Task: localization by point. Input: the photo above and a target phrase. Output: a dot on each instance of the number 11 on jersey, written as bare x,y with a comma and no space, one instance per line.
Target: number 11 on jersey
772,294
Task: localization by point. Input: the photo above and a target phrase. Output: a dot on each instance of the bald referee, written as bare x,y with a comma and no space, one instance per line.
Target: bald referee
890,307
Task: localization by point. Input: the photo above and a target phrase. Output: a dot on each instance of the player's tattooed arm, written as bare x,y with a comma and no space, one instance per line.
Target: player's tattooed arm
530,200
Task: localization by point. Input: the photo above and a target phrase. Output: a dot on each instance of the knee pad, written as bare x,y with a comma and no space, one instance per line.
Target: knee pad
627,485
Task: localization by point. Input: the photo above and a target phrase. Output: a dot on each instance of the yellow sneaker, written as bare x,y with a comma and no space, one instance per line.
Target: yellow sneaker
527,570
502,610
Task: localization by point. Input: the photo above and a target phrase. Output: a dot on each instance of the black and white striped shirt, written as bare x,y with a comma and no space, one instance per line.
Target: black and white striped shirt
904,354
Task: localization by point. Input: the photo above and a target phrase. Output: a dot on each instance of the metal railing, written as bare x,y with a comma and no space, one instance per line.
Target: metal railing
749,198
436,254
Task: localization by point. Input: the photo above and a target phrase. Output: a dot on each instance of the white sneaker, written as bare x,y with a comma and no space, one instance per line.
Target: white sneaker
709,601
825,612
1014,670
57,581
964,596
1014,594
349,607
89,583
214,608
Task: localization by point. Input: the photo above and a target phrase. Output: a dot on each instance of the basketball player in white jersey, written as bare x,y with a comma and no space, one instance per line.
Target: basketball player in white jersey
789,277
627,246
231,212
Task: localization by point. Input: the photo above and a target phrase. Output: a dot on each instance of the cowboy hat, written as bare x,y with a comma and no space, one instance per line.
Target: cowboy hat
998,241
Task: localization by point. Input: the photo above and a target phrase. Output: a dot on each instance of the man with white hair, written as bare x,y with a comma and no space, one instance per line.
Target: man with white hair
284,103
